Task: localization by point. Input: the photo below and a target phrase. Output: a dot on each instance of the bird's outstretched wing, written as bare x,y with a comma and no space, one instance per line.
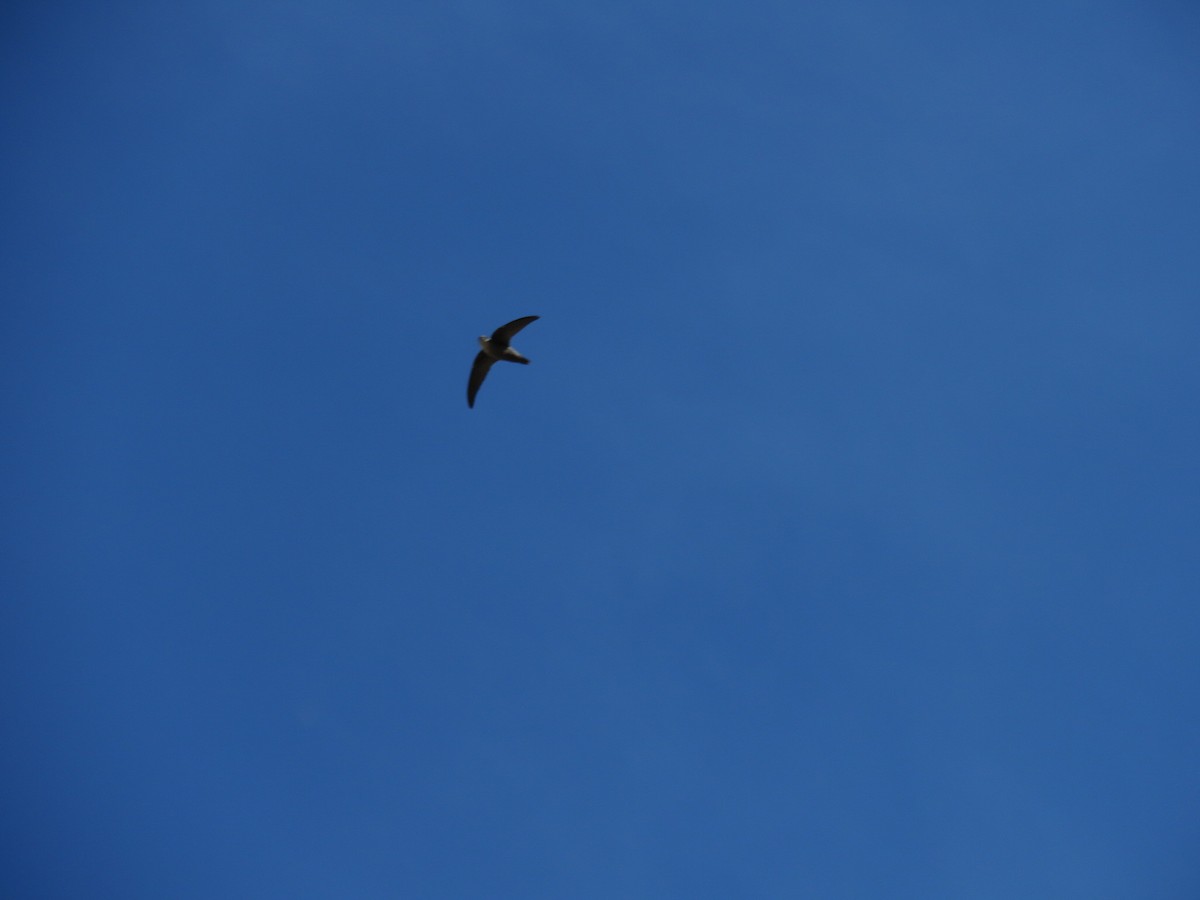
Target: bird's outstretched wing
479,370
504,333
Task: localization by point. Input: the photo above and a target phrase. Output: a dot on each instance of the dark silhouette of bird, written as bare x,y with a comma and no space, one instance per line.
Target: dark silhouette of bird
495,348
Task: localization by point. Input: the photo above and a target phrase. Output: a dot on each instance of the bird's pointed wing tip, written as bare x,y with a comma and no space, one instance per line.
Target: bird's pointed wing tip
479,370
505,332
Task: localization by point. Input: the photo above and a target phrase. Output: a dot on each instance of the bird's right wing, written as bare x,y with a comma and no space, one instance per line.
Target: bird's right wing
479,370
504,333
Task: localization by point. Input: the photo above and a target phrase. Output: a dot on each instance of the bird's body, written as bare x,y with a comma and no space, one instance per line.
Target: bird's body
496,352
494,349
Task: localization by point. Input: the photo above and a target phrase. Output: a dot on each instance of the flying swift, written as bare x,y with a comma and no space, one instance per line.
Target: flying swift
495,348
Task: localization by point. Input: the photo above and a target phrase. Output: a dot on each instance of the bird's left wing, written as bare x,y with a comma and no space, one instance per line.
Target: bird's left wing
479,370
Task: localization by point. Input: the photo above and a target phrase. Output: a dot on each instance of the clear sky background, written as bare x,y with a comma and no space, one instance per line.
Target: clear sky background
841,540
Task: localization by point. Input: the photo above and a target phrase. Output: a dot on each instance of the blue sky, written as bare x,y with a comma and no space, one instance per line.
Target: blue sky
839,541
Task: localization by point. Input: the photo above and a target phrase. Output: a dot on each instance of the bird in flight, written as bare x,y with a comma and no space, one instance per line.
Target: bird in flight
495,348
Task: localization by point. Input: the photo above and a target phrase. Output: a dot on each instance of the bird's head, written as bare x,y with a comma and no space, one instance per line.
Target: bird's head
483,340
